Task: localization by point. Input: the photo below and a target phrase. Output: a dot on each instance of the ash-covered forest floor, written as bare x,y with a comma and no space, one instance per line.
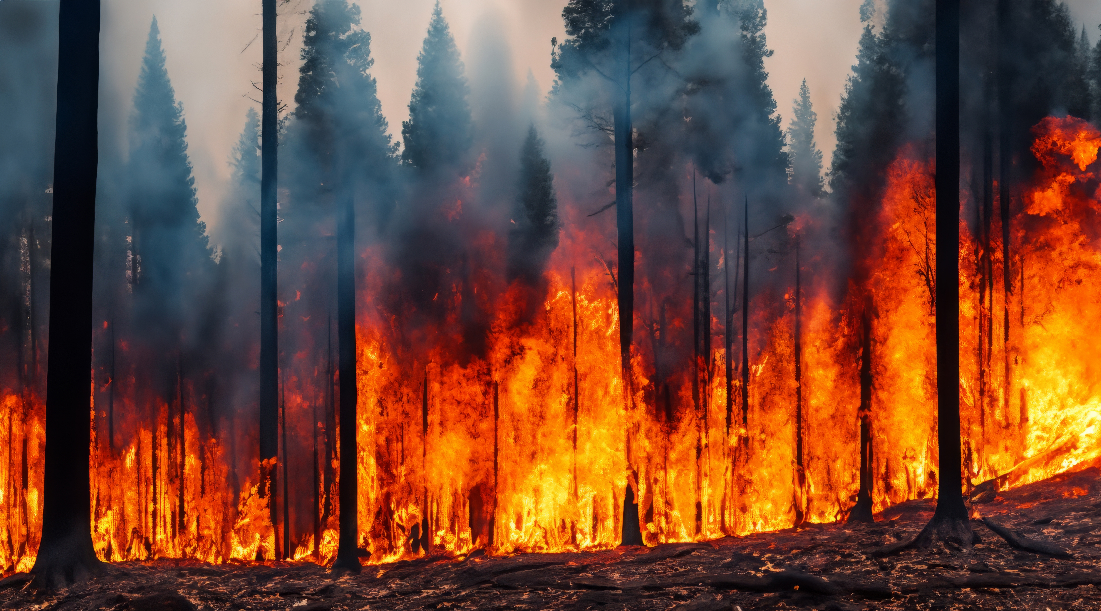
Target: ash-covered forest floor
822,567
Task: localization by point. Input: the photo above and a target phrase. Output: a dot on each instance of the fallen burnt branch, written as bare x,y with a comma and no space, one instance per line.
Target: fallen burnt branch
1020,541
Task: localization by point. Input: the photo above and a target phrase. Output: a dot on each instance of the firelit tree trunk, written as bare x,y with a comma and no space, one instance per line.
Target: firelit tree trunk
1005,186
426,539
286,540
317,482
800,465
66,553
576,395
697,282
347,555
950,520
269,322
497,457
745,335
862,512
181,465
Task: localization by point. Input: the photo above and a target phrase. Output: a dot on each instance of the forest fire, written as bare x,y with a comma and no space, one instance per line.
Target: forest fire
614,332
522,448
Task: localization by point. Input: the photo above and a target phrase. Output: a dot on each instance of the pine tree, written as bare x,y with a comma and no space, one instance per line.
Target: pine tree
769,139
345,156
242,216
439,132
535,235
806,159
169,237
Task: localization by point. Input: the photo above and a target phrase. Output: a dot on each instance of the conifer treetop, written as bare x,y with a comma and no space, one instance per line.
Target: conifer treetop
439,132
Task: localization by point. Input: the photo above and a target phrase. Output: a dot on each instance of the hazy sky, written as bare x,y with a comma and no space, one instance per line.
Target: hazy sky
212,64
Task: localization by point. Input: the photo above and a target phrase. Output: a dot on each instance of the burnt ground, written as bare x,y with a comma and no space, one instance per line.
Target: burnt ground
830,567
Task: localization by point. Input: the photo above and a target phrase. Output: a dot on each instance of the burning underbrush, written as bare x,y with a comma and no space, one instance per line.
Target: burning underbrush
496,415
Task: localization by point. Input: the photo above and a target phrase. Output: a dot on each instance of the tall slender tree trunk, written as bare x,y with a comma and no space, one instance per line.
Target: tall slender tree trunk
496,460
745,337
426,539
111,390
286,540
950,520
66,553
862,512
697,288
1005,191
625,229
315,508
800,464
181,519
347,555
576,391
269,261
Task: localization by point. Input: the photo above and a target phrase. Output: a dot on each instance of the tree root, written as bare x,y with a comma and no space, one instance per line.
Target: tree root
953,532
1022,542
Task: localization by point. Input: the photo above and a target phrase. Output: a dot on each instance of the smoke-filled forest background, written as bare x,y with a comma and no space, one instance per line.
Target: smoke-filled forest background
780,367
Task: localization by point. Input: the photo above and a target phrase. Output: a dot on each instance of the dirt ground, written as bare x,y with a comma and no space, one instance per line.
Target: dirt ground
830,567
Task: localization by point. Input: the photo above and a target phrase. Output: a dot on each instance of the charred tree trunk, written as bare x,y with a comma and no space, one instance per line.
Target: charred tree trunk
111,392
496,459
330,429
800,465
862,512
317,483
181,518
950,520
625,228
286,540
697,282
66,553
1005,190
426,539
347,555
269,261
745,336
576,395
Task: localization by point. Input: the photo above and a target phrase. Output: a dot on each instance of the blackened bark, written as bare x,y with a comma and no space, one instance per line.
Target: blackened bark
625,228
862,512
317,482
496,458
800,466
950,520
269,321
745,334
347,555
66,553
1005,180
286,540
576,394
426,539
697,288
181,518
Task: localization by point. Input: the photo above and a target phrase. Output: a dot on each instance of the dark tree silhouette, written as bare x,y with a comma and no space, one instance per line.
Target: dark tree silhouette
269,264
806,159
535,234
439,132
66,553
950,520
